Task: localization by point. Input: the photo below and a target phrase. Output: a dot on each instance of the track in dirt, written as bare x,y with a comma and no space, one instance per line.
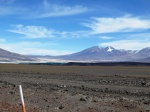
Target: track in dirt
75,88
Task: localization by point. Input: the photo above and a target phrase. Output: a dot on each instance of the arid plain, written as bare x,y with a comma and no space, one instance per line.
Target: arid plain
75,88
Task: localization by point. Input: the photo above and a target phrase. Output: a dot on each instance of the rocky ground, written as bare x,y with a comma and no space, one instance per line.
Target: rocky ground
75,88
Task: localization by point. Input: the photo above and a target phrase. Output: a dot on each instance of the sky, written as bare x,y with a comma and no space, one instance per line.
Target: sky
59,27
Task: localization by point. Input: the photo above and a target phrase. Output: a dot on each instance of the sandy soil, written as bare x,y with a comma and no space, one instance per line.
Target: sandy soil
75,88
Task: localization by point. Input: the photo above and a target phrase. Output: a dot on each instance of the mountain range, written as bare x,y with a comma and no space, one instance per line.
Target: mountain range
109,53
6,56
92,54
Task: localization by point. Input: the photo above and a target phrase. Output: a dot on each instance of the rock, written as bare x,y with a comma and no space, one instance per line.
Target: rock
61,107
11,92
143,83
82,99
146,101
82,86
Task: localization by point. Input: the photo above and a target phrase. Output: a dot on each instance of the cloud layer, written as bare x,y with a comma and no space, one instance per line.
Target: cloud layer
43,10
97,27
44,32
100,25
53,10
33,31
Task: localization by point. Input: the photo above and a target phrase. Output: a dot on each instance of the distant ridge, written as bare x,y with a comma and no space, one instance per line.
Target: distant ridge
104,54
92,54
6,56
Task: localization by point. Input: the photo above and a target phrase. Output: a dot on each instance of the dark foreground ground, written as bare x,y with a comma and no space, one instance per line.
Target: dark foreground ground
75,88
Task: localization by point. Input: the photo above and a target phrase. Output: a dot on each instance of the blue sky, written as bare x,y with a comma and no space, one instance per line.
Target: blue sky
58,27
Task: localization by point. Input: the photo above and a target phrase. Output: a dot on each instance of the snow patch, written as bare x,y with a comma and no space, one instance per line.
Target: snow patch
110,49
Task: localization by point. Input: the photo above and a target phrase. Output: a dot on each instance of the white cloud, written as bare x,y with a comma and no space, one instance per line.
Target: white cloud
34,48
57,10
41,10
75,34
33,31
44,32
119,24
53,10
127,44
105,37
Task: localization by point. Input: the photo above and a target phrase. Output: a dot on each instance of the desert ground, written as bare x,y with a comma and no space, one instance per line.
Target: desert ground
75,88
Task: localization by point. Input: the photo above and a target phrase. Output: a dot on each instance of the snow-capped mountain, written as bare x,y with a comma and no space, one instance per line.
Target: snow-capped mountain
97,53
92,54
